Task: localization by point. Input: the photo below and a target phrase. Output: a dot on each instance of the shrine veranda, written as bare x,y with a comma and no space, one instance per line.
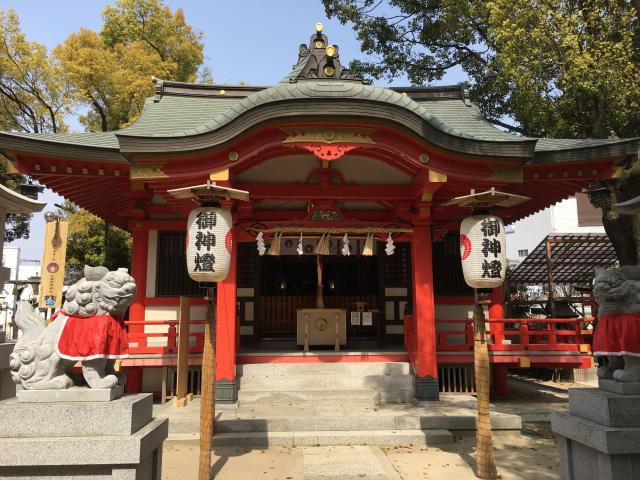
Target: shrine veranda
320,153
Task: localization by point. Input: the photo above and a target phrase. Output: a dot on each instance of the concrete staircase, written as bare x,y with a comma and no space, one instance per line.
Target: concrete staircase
324,383
331,404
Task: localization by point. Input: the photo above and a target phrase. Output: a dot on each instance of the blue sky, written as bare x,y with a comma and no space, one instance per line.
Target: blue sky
252,41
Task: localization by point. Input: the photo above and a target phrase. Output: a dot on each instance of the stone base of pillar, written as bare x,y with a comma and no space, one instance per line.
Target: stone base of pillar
227,391
119,439
499,380
600,435
426,389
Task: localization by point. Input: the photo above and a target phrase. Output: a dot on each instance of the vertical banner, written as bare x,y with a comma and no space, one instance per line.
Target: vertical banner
53,261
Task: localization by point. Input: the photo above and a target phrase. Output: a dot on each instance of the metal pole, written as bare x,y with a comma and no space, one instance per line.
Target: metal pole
208,391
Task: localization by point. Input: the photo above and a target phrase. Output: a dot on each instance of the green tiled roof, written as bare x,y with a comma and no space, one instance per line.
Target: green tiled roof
461,116
172,115
95,140
190,116
182,110
555,144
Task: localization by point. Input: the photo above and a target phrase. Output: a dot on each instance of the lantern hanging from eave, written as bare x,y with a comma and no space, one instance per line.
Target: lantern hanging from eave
483,251
209,243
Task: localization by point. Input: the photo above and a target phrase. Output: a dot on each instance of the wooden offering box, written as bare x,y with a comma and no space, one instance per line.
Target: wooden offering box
321,326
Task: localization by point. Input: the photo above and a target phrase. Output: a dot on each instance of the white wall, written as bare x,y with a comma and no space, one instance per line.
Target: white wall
559,218
564,218
528,233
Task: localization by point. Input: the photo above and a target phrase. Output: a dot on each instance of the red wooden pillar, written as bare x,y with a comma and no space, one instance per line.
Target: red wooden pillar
499,373
134,379
226,333
425,362
496,312
139,273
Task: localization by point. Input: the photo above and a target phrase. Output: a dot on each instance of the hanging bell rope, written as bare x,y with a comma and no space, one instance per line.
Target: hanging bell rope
367,251
274,249
322,248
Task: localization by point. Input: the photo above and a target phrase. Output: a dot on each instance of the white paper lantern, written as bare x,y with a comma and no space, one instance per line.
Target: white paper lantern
483,251
209,243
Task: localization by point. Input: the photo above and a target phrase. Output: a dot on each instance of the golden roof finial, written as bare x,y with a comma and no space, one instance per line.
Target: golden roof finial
318,27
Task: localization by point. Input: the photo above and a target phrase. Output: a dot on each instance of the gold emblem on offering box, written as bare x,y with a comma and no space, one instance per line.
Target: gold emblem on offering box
322,324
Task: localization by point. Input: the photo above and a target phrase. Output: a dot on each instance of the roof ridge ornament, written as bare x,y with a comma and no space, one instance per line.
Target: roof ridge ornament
320,60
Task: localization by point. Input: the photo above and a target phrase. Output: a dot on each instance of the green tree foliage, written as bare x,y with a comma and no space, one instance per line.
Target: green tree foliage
91,241
103,77
543,68
557,68
110,72
152,24
33,97
32,100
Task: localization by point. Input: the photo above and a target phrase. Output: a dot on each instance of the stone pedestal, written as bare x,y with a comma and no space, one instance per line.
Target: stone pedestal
7,386
600,435
82,440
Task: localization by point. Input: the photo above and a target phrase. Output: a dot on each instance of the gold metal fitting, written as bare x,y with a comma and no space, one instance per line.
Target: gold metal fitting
319,27
331,51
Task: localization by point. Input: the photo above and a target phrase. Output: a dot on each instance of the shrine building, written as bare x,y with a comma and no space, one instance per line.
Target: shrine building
323,154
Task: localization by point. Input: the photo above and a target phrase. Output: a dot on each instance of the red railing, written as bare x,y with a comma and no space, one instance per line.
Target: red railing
517,334
139,341
454,335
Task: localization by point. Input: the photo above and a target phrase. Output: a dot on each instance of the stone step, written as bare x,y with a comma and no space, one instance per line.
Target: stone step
345,423
325,396
319,382
325,368
324,438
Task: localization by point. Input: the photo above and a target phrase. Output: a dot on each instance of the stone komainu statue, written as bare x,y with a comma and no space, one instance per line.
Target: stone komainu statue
617,335
89,328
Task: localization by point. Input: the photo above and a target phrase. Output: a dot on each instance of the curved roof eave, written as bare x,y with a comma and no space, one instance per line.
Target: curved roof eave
13,202
575,150
327,99
55,145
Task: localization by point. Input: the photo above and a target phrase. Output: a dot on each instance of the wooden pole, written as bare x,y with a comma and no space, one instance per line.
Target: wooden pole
320,291
485,459
552,296
183,351
208,392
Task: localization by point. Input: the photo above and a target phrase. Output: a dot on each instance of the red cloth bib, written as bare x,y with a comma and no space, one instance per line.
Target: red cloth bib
617,334
98,336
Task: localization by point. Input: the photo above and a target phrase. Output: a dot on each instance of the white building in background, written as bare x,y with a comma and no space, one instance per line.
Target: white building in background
21,269
573,215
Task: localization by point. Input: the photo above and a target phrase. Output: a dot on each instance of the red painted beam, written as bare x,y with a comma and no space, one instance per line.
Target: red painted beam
329,192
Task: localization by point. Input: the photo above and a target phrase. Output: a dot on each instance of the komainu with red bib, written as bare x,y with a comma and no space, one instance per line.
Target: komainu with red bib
617,335
89,328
